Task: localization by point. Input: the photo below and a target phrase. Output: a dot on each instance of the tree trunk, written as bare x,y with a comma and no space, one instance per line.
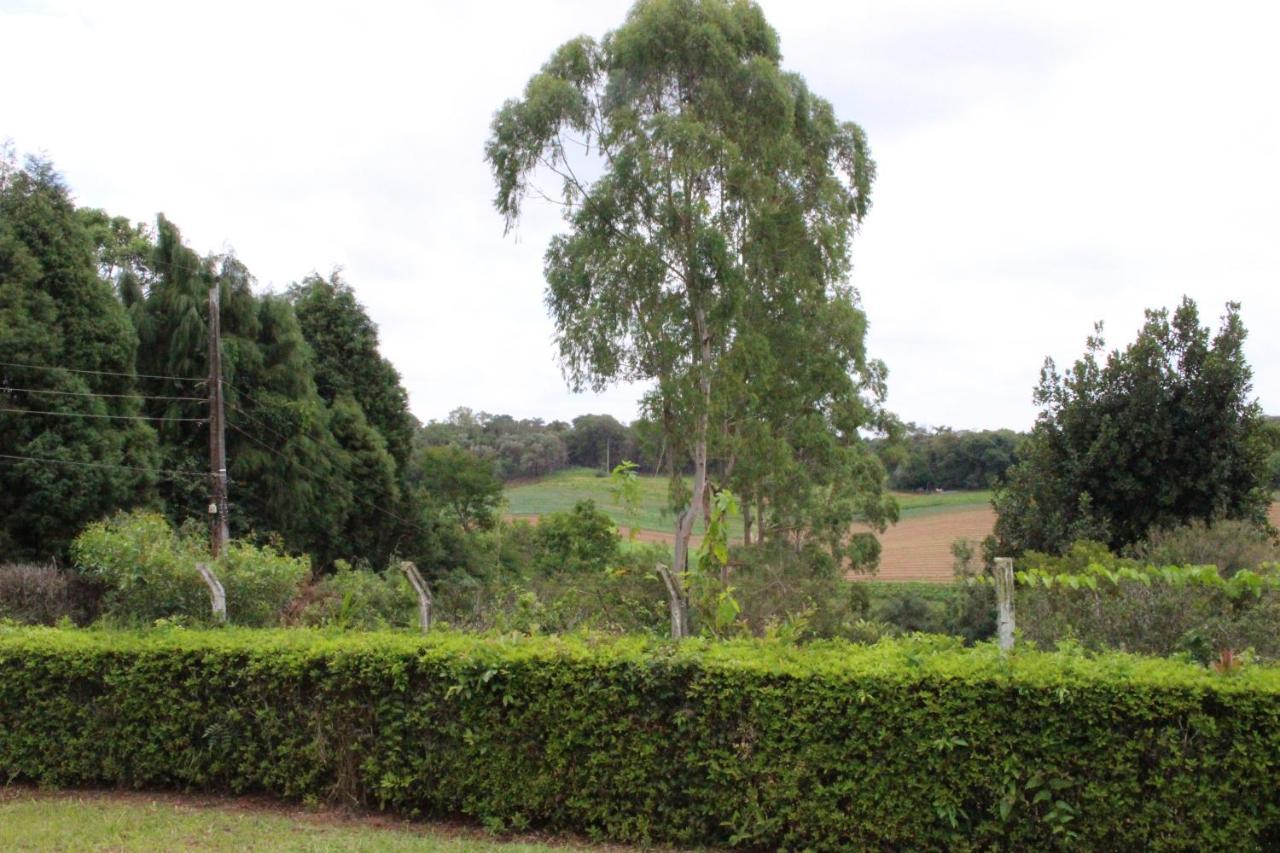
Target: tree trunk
677,602
687,517
217,595
746,522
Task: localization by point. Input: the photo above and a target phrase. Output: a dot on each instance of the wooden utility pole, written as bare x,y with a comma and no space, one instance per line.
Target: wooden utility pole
219,529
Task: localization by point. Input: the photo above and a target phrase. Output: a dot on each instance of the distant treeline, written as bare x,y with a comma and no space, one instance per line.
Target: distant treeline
532,447
944,458
918,458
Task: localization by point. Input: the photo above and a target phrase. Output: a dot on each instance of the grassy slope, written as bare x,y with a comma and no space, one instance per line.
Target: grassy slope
104,822
561,490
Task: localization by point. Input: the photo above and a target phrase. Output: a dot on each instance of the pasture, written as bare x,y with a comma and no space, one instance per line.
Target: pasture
917,548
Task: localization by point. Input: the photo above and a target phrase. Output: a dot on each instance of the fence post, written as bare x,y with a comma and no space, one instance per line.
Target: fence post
217,595
424,594
1004,601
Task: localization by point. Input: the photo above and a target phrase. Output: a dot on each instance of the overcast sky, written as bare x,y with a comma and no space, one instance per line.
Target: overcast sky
1041,167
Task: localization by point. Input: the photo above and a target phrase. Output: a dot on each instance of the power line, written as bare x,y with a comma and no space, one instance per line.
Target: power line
160,471
94,415
265,426
4,388
388,513
201,379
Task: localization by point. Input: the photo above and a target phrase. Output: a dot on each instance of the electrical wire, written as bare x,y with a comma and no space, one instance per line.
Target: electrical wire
161,471
376,507
94,415
7,388
201,379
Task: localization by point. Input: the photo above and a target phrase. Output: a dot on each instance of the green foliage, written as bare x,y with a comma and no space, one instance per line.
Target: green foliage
580,540
1102,601
914,744
148,572
1229,545
597,441
344,342
461,483
515,448
361,599
86,457
709,256
1162,434
949,459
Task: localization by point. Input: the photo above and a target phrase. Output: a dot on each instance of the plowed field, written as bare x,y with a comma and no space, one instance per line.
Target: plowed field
919,548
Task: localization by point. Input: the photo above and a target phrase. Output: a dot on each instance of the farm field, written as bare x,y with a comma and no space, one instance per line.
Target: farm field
917,548
42,820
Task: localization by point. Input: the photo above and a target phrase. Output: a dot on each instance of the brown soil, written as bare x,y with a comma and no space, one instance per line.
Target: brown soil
919,549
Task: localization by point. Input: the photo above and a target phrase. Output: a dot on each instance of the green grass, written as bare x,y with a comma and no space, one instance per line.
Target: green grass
914,504
31,821
560,491
563,489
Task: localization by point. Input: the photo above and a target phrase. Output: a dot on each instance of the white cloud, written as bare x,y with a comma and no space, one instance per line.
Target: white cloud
1042,166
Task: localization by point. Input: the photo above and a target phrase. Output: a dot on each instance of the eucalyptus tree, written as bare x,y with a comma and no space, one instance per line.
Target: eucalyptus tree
701,183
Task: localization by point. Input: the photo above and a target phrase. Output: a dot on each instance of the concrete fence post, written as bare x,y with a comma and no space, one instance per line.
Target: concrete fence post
424,594
1004,602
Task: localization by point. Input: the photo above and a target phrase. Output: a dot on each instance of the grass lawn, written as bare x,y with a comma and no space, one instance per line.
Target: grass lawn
35,820
563,489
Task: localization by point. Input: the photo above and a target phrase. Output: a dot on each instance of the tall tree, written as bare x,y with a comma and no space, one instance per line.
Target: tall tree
1159,434
347,361
712,167
73,447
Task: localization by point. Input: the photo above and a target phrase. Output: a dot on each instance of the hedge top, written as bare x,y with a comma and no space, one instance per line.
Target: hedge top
913,659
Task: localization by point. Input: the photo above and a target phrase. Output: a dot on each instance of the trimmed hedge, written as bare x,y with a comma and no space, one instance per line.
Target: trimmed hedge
909,744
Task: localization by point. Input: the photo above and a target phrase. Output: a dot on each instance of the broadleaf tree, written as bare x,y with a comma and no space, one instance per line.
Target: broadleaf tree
1160,434
702,186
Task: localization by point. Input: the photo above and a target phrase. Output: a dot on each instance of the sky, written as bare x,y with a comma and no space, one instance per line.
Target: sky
1041,167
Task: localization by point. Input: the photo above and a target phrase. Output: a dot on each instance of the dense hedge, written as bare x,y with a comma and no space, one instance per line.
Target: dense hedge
909,744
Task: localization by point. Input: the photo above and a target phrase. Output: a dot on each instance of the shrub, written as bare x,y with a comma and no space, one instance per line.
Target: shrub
362,599
579,540
260,582
801,594
624,598
43,595
1229,545
1121,604
148,572
902,745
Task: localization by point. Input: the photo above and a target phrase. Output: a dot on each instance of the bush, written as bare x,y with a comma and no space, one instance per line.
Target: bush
1229,545
148,572
361,599
579,540
43,595
801,595
1121,604
905,744
625,598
